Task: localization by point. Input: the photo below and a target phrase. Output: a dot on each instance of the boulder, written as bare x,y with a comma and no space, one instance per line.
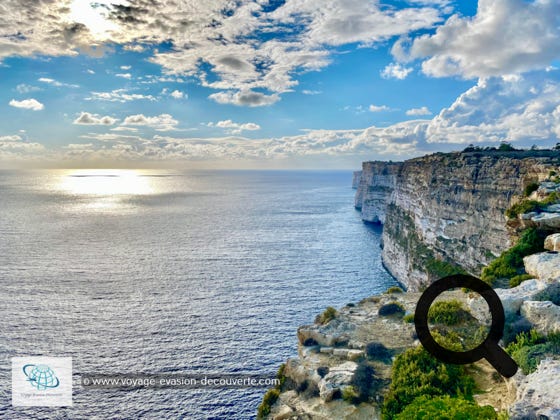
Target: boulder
338,376
545,316
355,354
544,265
511,298
552,242
547,220
537,394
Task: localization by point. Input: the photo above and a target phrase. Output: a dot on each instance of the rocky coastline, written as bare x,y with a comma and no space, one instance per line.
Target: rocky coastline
439,212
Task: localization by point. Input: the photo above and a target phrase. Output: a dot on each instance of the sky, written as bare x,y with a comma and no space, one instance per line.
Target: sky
272,83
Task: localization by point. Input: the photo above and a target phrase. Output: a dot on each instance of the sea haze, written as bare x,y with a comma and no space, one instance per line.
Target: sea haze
170,272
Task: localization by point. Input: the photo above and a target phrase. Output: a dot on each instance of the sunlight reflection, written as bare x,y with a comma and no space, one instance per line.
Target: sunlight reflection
105,189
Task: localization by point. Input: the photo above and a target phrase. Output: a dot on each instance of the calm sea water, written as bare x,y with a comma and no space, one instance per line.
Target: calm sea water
169,272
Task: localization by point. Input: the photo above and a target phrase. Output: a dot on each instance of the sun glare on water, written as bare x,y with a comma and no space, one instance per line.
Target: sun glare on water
105,189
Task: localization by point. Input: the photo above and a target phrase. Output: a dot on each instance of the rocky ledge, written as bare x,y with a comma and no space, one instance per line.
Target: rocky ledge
375,330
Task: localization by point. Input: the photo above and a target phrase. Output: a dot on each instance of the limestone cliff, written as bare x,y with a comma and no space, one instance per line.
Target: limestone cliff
446,209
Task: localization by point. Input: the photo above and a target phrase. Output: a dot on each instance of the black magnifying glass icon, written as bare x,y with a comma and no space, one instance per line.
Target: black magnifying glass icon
489,348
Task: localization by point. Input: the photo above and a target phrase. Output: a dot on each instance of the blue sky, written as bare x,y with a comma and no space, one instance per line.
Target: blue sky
294,83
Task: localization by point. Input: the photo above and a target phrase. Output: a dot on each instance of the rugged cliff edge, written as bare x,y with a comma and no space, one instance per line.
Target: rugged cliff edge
440,212
446,208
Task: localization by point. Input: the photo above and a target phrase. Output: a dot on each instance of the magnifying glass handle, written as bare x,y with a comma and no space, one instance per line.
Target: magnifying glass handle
501,361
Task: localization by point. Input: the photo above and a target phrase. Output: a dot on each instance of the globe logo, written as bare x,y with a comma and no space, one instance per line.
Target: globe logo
41,377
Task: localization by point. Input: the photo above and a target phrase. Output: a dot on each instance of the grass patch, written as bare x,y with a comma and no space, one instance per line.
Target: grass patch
510,263
517,280
439,268
533,186
394,289
409,318
327,316
445,407
529,348
448,312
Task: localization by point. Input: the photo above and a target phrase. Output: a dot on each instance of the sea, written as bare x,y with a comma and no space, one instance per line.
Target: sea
173,272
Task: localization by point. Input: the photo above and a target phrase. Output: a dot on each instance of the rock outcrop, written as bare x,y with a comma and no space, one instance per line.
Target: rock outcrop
552,242
447,208
356,177
544,265
537,394
544,316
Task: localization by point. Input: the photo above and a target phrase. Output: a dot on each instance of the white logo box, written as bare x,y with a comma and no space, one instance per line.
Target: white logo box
39,381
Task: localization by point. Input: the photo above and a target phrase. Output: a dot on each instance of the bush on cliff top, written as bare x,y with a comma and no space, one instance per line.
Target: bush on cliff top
444,408
417,373
393,308
448,312
529,348
438,268
328,315
510,262
268,401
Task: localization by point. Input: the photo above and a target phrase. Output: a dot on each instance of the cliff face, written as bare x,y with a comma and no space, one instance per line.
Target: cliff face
377,182
446,209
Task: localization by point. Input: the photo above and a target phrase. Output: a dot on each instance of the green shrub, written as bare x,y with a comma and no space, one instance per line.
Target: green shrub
394,289
438,268
377,351
530,348
328,315
510,262
281,376
417,373
350,395
533,186
364,382
445,408
517,280
392,308
448,312
449,340
268,401
525,206
552,173
409,318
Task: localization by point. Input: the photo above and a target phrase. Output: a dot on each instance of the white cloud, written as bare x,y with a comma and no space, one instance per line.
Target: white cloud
177,94
218,42
419,111
163,122
396,71
119,95
86,118
10,139
125,67
56,83
31,104
311,92
505,37
235,128
90,71
124,75
245,98
378,108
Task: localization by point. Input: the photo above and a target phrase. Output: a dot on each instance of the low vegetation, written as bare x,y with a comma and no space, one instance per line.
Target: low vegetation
394,289
517,280
529,348
448,312
533,186
268,401
445,407
328,315
393,308
408,318
510,263
377,351
529,206
416,373
439,268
